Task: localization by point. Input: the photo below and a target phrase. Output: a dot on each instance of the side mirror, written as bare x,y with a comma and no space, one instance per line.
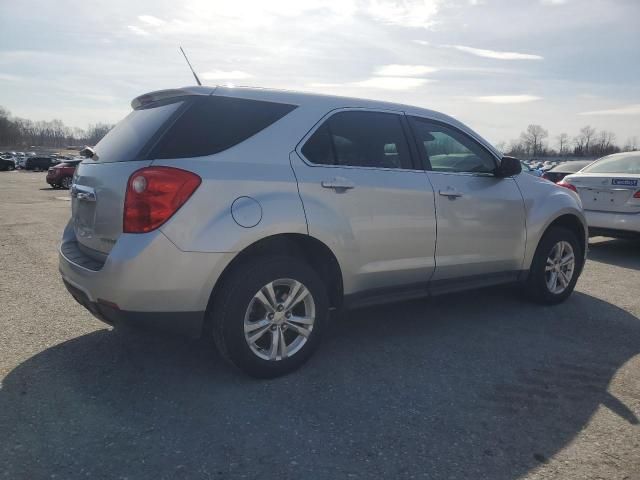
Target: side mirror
509,166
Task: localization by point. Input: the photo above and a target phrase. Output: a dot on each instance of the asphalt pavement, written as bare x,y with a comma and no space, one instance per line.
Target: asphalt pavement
477,385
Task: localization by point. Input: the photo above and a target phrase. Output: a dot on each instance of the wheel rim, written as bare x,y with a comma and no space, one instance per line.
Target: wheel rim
560,266
66,182
279,319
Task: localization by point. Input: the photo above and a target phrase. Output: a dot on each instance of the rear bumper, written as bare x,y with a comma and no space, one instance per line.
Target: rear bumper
608,221
145,279
184,323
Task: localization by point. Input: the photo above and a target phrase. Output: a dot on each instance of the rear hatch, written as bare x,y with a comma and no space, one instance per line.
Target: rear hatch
100,182
608,193
169,124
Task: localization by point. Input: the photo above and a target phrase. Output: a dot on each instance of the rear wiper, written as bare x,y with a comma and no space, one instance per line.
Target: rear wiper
89,152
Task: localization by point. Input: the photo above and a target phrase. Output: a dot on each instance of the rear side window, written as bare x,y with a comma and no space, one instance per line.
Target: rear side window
360,139
213,124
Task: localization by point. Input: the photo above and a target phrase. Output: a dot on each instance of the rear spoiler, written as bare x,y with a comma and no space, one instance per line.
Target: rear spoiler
144,100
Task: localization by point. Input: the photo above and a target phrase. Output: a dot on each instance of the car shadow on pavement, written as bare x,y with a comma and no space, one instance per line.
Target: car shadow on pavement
478,385
619,252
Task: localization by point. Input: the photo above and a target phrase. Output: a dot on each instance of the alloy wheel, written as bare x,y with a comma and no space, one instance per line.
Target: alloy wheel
560,267
279,319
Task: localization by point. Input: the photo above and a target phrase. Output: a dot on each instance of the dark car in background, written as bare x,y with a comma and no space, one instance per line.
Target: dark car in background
558,172
38,163
7,164
61,175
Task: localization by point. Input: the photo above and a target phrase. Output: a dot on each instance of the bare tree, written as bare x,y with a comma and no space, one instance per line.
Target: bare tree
584,140
532,139
563,142
631,145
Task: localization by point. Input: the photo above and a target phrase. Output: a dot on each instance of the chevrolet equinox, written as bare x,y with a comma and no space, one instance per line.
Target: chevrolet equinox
247,215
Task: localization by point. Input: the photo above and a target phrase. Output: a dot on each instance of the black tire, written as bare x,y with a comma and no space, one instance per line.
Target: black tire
233,299
536,285
66,183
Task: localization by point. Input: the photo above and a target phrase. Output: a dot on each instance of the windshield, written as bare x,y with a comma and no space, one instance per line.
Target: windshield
127,139
619,163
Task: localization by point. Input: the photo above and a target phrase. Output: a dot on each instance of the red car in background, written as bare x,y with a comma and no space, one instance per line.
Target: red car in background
61,175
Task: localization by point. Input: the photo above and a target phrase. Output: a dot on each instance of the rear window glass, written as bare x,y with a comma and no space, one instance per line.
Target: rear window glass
616,164
213,124
126,140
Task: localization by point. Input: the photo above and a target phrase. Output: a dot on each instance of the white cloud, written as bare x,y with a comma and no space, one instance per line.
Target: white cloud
422,42
7,77
404,70
151,20
407,13
480,52
225,75
626,110
553,2
325,85
504,99
137,30
392,83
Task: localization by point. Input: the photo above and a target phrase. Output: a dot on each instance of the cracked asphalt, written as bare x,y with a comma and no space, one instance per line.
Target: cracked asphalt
478,385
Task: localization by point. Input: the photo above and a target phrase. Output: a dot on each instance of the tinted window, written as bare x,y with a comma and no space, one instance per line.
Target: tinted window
125,141
213,124
360,139
451,151
318,148
620,163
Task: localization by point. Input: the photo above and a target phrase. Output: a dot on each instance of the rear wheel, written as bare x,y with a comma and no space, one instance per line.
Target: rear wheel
269,316
554,270
66,183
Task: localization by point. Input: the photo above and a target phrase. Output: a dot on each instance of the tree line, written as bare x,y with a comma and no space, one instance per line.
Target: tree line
21,133
535,142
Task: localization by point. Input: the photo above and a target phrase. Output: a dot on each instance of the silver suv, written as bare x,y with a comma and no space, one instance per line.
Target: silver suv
247,215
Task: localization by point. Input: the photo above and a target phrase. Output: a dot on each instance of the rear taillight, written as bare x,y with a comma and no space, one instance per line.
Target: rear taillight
154,194
637,194
564,184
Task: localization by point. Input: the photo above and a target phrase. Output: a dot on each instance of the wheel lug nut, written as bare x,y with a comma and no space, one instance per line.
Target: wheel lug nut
280,308
288,314
273,327
270,316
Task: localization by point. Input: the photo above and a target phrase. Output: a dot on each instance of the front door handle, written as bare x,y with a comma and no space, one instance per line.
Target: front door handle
338,183
450,192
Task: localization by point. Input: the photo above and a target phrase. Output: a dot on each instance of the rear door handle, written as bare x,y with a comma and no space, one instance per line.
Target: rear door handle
338,183
450,192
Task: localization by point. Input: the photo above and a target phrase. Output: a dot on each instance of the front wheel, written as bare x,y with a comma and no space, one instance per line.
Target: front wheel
66,182
555,267
269,316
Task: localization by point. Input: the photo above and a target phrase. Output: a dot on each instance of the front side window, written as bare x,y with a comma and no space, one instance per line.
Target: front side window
448,150
360,139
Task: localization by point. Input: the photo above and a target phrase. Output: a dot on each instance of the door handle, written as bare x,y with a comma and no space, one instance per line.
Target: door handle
338,183
450,192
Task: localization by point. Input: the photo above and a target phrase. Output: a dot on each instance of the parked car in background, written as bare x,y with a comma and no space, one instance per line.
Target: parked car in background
531,171
38,163
558,172
248,214
61,175
7,163
610,192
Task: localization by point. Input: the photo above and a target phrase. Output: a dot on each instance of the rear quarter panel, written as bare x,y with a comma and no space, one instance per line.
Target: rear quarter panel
258,168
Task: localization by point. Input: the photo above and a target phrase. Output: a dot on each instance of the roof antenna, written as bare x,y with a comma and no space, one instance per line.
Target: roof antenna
192,70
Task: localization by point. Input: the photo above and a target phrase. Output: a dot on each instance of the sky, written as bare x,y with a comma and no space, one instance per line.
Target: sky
496,65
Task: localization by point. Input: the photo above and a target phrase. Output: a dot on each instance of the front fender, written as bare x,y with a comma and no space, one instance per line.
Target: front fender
545,203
